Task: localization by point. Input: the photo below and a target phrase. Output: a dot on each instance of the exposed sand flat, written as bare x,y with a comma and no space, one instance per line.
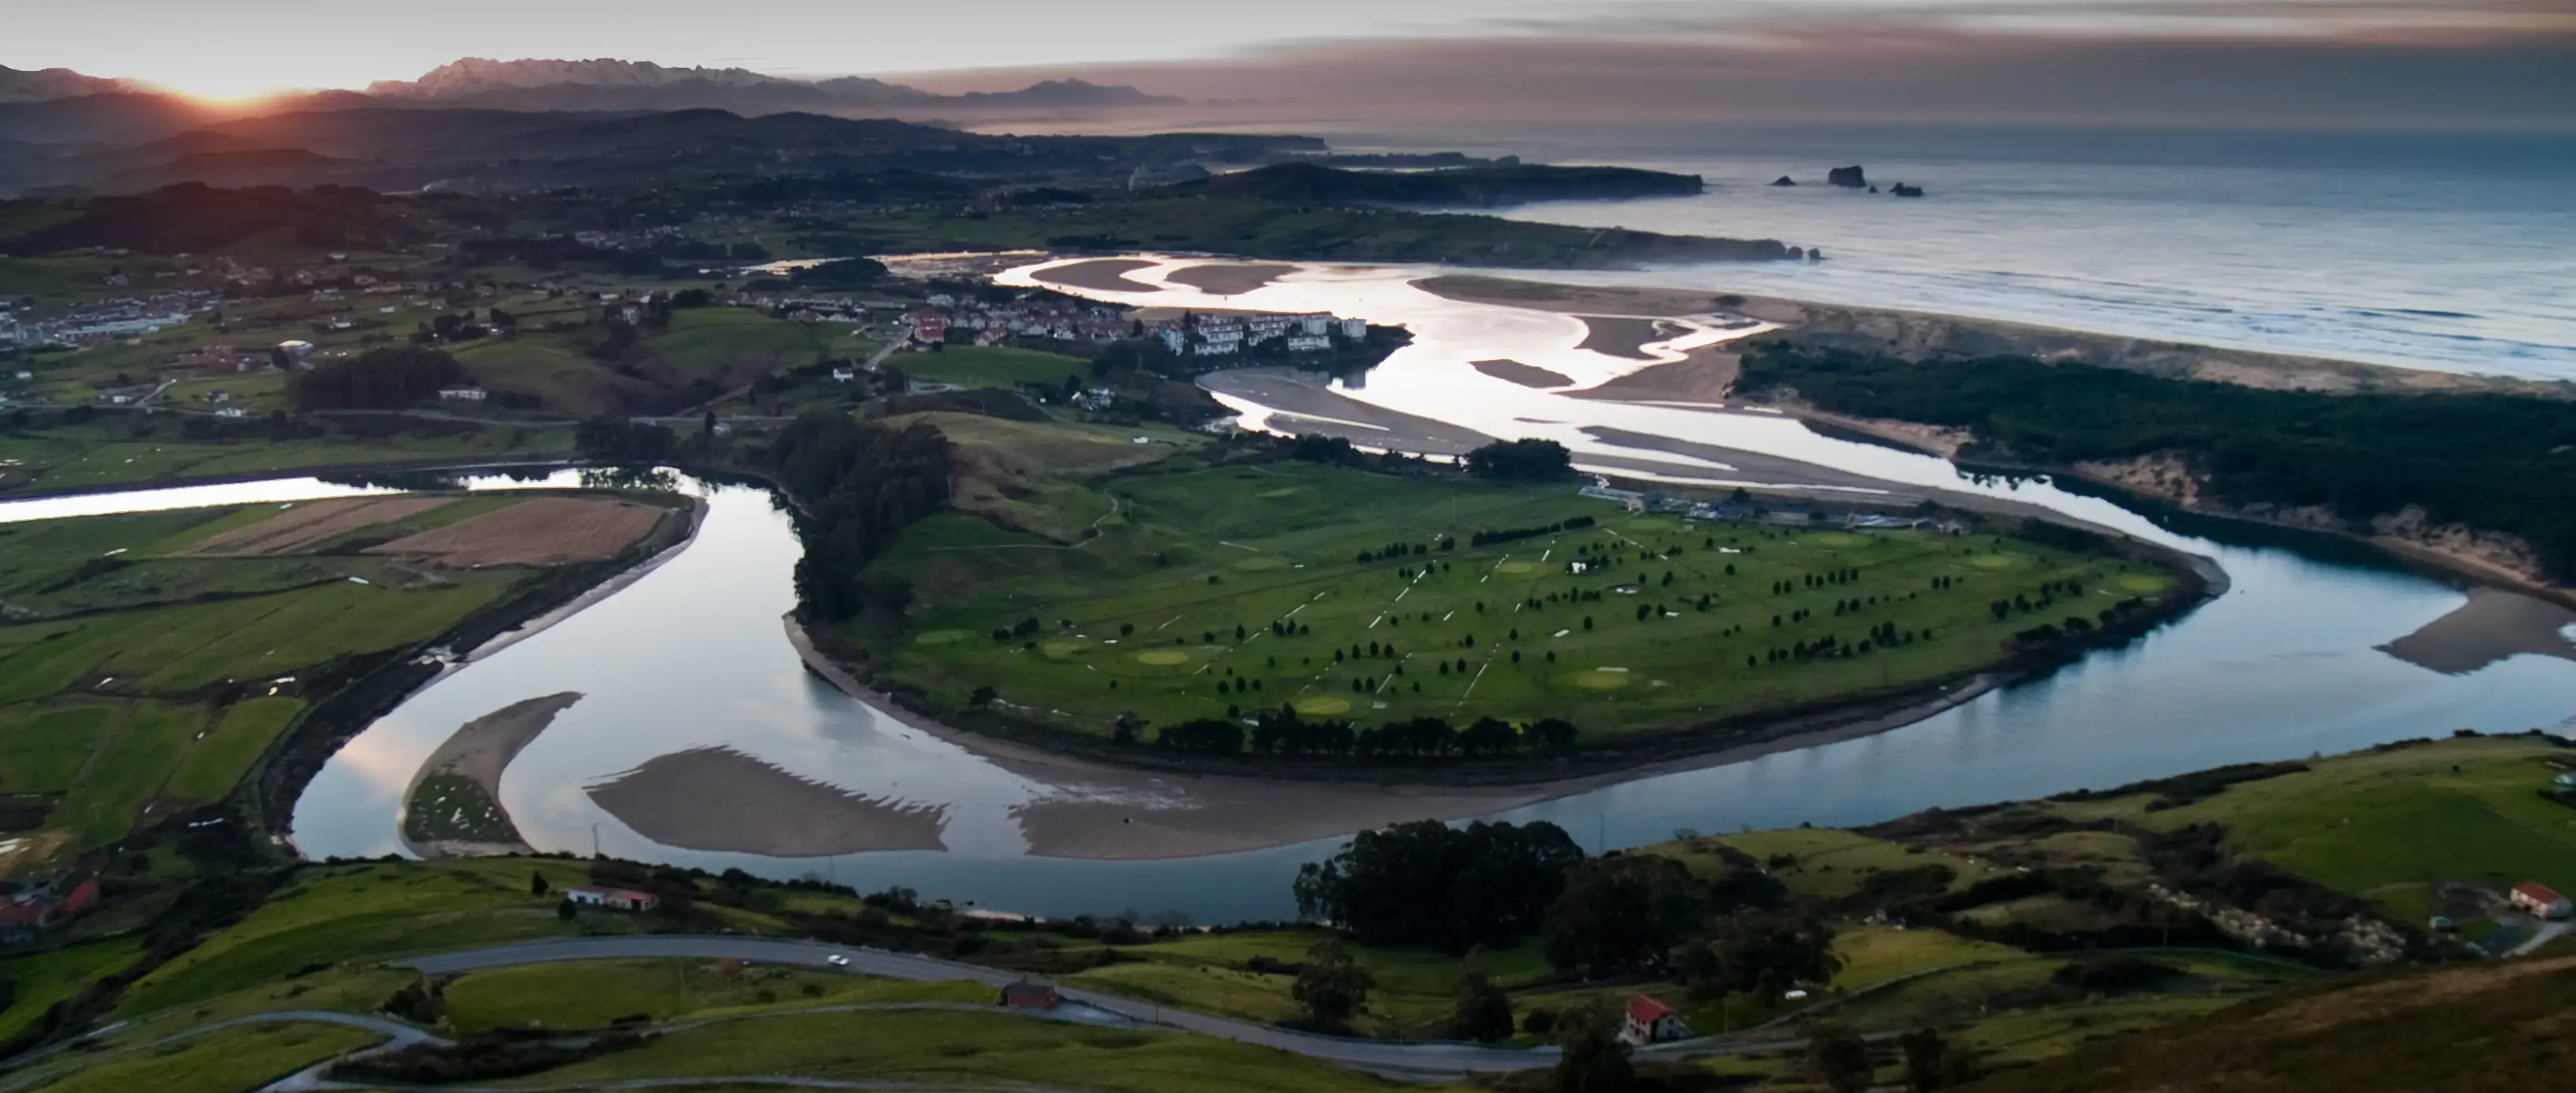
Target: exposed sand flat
1705,375
1916,334
1098,275
720,799
538,531
481,749
1302,403
1751,466
2492,626
1222,815
1524,374
1622,336
1230,279
309,523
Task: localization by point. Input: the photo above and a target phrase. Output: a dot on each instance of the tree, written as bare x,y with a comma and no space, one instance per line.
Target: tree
1761,955
1527,460
1838,1056
536,884
620,439
1426,883
1593,1059
565,910
1621,913
384,378
1331,986
1484,1012
1932,1062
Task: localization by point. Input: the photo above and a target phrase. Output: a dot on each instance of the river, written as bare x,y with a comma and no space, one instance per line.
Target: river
693,656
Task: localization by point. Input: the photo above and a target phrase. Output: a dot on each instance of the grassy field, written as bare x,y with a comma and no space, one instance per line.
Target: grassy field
1168,612
596,993
2393,826
136,679
1413,995
222,1061
992,366
959,1049
44,978
364,913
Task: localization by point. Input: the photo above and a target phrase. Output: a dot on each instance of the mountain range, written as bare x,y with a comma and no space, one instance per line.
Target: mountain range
57,104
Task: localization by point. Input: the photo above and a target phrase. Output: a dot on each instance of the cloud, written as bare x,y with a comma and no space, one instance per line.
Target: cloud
1896,67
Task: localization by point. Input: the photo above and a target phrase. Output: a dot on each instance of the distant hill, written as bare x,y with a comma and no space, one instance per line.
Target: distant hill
116,118
1463,187
606,84
46,85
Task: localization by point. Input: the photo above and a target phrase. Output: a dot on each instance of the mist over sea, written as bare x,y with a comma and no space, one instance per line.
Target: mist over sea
2450,252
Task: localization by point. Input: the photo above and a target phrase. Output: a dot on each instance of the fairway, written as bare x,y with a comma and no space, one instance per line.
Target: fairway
1345,594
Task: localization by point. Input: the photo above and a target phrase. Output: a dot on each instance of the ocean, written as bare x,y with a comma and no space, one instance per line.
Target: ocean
2446,252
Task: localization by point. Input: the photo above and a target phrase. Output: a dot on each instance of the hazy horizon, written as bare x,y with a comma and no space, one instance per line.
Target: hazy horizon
2488,64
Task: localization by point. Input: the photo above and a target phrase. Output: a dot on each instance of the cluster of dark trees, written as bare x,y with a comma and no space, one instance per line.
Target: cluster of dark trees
2498,462
857,485
1508,535
623,440
1283,732
384,378
1452,888
1526,460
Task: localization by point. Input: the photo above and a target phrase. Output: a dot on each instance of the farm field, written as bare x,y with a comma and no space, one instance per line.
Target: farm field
1181,606
68,458
149,662
992,366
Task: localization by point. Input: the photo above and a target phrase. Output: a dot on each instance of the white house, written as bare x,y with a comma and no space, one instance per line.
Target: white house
2534,898
1309,343
463,394
615,899
1355,329
1651,1022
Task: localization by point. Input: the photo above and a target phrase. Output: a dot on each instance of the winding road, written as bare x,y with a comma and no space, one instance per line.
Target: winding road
1375,1056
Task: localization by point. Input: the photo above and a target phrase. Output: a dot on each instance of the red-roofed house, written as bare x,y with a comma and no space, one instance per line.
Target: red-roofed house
2540,899
1650,1022
615,899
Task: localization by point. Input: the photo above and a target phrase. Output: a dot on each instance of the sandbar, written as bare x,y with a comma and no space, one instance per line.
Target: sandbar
1098,275
1304,403
479,751
719,799
1230,279
1703,375
1526,375
2492,626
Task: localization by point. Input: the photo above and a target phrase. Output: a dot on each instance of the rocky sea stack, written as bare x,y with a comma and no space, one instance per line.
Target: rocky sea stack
1784,180
1846,176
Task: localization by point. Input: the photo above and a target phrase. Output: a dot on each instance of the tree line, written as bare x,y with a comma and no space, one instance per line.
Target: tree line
2498,462
857,485
1284,732
384,378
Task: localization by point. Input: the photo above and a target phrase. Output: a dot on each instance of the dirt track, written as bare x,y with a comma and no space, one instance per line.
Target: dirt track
309,523
538,531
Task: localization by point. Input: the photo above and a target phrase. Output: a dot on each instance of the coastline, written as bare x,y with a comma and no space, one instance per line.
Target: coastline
1923,332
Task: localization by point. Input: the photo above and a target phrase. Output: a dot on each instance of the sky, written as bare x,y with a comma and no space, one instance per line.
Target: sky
2459,60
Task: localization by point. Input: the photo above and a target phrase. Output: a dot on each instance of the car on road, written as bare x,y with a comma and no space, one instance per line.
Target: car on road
837,960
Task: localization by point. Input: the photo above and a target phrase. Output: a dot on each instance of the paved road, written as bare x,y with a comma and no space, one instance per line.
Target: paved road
1377,1056
397,1035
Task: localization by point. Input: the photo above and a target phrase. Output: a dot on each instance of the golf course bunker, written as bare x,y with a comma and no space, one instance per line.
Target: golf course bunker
1602,679
452,807
1061,650
1321,707
1163,658
719,799
1098,275
1517,568
2494,625
1230,278
1524,374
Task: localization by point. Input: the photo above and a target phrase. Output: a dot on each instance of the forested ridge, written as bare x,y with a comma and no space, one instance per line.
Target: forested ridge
2494,462
858,485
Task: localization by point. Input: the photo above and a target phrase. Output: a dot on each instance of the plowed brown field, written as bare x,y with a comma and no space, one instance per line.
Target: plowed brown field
310,523
538,531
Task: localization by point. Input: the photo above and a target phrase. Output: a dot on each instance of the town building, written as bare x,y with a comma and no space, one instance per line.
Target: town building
1651,1022
463,394
614,899
2534,898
